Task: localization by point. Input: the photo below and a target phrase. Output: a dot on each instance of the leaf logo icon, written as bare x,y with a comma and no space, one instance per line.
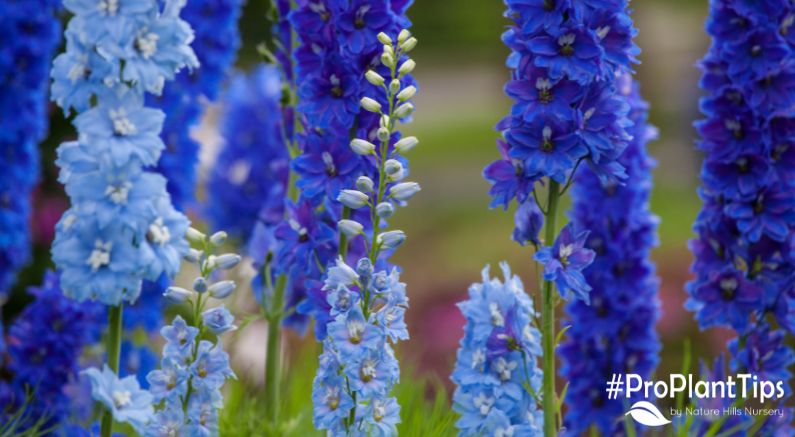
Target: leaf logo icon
647,414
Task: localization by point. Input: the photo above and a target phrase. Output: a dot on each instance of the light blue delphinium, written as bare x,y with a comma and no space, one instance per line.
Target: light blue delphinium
187,386
124,397
496,372
363,306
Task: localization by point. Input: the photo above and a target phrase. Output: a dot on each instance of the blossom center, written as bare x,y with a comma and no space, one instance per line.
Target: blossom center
478,358
735,128
122,126
320,9
742,165
118,193
359,20
332,398
158,232
108,7
544,87
336,88
379,411
727,287
328,160
355,331
79,70
100,256
483,403
496,316
565,252
505,368
122,398
368,372
546,142
303,234
146,43
566,43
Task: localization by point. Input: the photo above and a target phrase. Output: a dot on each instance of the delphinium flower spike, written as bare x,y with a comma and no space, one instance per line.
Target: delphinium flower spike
615,332
566,113
121,228
30,33
496,373
744,259
366,302
187,387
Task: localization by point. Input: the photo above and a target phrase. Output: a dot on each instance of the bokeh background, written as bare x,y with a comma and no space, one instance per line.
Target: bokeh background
452,233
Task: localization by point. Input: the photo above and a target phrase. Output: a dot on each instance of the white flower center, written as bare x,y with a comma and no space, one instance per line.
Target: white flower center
100,256
565,252
108,7
478,358
496,316
121,124
118,193
239,171
298,228
729,284
332,398
483,403
546,133
146,43
602,32
505,368
122,398
543,84
566,40
504,432
379,410
355,331
79,70
158,232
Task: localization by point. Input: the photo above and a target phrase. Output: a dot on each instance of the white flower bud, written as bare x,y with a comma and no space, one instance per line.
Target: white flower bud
404,110
394,86
374,78
177,294
404,190
408,45
222,289
385,210
406,144
353,199
370,104
362,147
403,35
387,59
392,166
389,49
384,38
194,235
407,93
365,184
383,134
384,121
351,228
218,238
397,176
227,260
193,255
200,285
391,239
407,67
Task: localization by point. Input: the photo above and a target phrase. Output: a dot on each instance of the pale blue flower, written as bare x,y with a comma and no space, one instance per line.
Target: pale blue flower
219,320
123,397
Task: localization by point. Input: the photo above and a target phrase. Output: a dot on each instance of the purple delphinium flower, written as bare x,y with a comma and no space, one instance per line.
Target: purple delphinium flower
614,332
743,258
564,261
31,32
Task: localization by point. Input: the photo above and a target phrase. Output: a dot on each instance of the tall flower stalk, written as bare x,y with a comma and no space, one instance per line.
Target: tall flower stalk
744,260
121,228
615,333
565,57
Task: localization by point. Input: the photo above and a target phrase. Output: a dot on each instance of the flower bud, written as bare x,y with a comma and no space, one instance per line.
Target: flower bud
383,134
222,289
406,144
394,86
407,93
370,105
388,49
227,261
218,238
218,320
404,190
404,110
362,147
392,166
408,45
364,267
387,59
385,210
342,273
403,36
193,255
384,38
384,121
374,78
391,239
351,228
407,67
194,235
365,184
200,285
353,199
397,176
177,294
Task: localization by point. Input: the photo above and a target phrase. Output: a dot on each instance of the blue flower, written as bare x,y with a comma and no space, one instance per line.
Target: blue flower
123,397
326,166
360,23
528,221
219,320
304,237
564,261
571,52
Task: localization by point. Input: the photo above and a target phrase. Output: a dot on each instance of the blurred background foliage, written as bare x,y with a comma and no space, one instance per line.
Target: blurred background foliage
452,233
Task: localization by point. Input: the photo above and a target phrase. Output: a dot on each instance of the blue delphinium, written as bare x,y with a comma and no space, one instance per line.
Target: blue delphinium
744,259
496,372
615,332
216,41
30,32
248,181
366,304
124,397
187,386
44,346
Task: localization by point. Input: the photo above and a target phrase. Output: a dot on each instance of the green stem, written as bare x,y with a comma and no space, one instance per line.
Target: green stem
346,214
272,360
548,322
113,351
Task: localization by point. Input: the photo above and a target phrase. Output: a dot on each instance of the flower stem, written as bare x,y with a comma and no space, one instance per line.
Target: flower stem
113,351
548,321
272,360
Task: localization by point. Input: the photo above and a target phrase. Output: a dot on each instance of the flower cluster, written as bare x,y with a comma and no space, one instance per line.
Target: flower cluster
44,345
744,259
216,42
121,227
30,32
497,378
615,332
248,181
564,57
362,309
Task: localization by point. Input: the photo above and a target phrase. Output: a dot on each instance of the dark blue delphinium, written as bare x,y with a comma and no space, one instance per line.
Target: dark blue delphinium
248,181
744,263
216,42
615,333
30,32
44,344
